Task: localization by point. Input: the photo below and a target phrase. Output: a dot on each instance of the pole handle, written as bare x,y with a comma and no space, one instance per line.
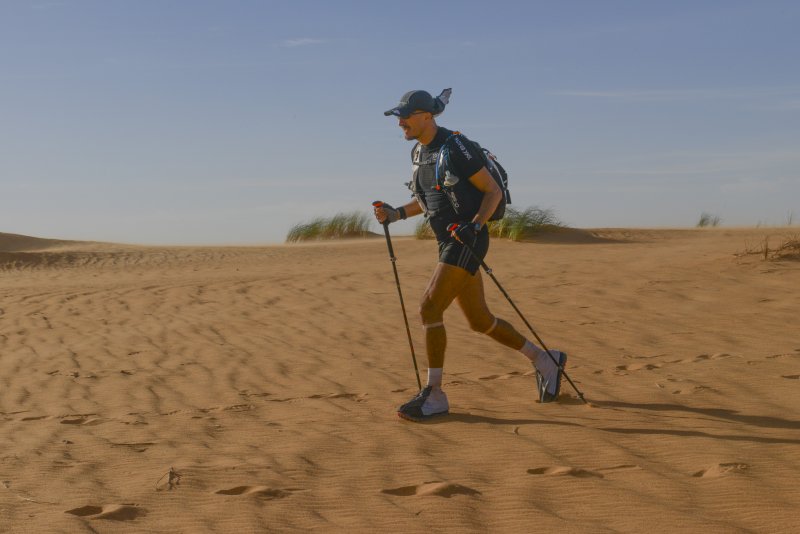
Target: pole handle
452,229
378,204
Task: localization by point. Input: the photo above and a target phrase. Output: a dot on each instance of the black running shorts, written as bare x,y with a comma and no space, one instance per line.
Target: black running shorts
454,253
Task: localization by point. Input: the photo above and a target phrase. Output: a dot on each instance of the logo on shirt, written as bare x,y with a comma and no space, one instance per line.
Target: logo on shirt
463,149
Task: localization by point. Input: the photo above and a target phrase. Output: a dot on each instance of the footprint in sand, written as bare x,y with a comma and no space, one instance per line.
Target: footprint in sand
357,397
719,470
245,393
455,383
135,447
35,418
565,471
350,396
557,471
624,467
112,512
506,376
694,389
715,356
262,492
434,488
638,367
703,357
83,421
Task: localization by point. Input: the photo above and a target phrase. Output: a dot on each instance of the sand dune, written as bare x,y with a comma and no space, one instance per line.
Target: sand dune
236,389
24,243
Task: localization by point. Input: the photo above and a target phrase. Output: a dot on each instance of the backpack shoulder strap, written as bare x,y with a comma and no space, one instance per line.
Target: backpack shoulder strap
443,160
415,152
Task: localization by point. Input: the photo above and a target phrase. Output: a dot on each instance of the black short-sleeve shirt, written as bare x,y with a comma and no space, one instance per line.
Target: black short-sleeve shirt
464,161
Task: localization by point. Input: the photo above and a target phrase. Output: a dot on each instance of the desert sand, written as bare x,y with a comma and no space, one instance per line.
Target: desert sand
253,389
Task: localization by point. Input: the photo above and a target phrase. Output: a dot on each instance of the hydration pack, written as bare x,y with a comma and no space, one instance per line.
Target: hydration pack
446,180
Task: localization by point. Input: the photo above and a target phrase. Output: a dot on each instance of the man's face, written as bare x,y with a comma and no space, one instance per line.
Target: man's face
413,125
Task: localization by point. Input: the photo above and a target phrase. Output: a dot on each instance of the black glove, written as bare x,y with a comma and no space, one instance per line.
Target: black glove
382,208
466,231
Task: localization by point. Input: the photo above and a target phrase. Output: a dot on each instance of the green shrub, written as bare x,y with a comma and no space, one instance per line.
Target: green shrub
341,225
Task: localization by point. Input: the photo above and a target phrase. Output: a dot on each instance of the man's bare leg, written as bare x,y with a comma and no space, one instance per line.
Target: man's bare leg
446,283
472,301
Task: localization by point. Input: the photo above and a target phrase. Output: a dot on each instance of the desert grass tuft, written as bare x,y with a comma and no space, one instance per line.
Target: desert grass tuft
522,224
707,219
516,225
787,249
341,225
423,230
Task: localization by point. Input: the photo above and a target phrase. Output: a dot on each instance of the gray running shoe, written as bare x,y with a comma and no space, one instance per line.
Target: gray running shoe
428,403
550,386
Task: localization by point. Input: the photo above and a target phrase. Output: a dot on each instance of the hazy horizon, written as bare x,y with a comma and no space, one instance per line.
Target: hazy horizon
227,123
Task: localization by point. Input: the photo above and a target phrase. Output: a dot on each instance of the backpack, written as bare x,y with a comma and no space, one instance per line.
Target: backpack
444,177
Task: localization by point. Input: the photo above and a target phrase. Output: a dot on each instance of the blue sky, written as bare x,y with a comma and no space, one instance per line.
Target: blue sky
178,121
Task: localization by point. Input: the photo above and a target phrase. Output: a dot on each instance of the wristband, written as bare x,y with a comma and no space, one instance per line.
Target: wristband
402,212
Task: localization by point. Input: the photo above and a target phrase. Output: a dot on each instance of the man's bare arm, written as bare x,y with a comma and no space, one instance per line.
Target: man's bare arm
492,195
412,208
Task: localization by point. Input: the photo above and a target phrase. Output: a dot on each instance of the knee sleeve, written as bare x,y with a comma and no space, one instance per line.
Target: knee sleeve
491,328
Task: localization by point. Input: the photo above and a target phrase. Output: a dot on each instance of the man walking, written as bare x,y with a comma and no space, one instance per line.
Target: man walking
468,198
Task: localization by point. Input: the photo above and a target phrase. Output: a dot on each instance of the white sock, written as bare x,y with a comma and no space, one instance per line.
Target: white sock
531,351
435,377
543,362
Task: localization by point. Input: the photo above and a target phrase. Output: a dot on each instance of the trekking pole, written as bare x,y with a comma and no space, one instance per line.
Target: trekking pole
491,275
393,259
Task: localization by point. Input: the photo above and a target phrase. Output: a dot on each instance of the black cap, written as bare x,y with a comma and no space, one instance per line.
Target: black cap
412,101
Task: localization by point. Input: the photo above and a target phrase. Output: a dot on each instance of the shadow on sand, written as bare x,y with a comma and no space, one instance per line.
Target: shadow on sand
759,421
719,413
459,417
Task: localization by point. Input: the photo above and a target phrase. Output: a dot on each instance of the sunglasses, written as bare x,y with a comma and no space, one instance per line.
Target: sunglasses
407,115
